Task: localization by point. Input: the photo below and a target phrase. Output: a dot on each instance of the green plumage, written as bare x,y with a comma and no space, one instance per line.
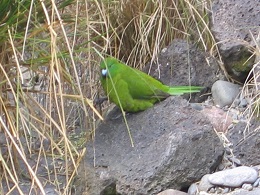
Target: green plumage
135,90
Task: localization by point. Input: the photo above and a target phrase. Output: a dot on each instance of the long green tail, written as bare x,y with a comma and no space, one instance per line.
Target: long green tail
180,90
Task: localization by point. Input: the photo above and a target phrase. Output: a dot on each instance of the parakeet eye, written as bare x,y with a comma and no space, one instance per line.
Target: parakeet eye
104,72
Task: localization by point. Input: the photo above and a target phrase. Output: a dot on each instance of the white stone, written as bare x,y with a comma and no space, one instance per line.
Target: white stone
234,177
224,92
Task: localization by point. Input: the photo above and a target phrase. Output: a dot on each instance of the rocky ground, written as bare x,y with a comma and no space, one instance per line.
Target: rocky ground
207,146
197,148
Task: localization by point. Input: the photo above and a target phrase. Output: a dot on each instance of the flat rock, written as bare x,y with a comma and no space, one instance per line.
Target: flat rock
175,146
234,177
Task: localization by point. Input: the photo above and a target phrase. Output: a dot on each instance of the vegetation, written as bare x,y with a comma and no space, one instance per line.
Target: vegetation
49,58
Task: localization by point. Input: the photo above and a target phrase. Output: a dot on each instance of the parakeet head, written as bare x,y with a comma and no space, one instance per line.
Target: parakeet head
108,65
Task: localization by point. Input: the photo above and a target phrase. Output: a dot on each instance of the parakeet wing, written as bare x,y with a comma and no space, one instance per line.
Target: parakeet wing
143,86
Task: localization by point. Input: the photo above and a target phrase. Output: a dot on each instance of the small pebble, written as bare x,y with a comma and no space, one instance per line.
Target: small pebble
212,190
228,150
234,177
172,192
243,103
234,160
236,103
227,164
247,186
224,92
202,193
221,167
164,50
204,184
193,189
219,190
196,106
226,190
257,182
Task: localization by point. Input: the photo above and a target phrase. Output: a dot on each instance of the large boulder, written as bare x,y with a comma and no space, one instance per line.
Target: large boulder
235,25
246,142
183,63
174,146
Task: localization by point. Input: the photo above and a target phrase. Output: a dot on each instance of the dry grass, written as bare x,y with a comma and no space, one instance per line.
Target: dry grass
49,56
251,88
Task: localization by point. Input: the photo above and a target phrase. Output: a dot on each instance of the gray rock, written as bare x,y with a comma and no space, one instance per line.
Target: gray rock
197,106
172,192
234,177
182,63
255,191
234,22
257,182
226,190
212,190
171,142
224,93
236,103
204,184
247,186
219,190
243,103
246,141
234,160
220,119
193,189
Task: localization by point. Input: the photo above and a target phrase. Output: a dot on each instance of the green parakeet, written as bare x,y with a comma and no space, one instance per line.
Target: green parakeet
134,90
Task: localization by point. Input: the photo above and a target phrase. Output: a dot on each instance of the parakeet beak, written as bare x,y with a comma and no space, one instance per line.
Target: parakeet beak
104,72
